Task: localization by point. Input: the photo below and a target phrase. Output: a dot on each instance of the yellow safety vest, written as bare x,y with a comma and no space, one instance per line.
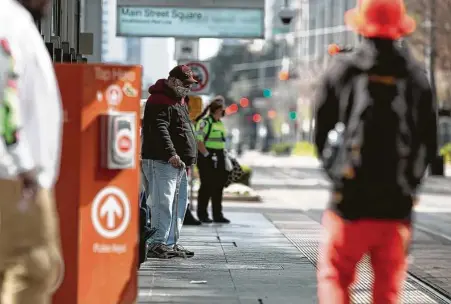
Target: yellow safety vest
212,133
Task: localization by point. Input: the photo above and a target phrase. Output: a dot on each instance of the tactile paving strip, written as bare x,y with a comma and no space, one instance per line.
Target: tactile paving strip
307,243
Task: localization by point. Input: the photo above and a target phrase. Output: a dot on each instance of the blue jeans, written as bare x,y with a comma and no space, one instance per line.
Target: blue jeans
167,214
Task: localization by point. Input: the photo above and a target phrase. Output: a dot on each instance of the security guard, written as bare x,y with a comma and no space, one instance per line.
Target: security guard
211,139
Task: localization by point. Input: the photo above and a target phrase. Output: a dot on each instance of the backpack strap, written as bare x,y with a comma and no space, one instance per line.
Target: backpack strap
350,101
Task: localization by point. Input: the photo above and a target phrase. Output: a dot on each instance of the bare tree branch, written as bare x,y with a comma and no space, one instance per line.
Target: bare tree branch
419,10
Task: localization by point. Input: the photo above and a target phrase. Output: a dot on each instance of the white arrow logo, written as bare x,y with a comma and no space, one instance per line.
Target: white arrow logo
114,96
111,202
111,208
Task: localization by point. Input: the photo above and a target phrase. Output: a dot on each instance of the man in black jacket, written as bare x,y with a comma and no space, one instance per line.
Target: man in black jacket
168,149
376,134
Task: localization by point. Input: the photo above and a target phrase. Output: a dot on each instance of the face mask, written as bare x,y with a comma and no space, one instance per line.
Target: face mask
181,91
178,87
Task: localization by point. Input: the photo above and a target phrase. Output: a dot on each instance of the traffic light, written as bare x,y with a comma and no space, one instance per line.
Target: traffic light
293,115
272,114
256,118
267,93
232,109
284,75
244,102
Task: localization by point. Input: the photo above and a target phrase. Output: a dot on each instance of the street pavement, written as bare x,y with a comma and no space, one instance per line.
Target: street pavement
304,187
268,253
249,261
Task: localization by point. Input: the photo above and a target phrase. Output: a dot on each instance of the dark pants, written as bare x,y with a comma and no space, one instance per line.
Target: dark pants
212,181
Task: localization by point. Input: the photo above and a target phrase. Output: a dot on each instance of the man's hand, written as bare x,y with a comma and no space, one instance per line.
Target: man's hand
175,161
30,185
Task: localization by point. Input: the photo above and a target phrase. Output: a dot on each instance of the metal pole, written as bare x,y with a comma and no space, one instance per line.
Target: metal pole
430,49
311,126
261,77
433,50
191,189
78,29
437,167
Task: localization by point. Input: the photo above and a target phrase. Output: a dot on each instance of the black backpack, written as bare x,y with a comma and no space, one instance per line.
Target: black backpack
372,143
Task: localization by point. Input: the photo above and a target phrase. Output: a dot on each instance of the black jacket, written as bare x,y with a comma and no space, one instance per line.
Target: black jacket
380,58
167,129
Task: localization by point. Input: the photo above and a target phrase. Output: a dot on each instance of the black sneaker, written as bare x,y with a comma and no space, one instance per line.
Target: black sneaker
206,220
222,220
192,222
182,252
190,219
161,251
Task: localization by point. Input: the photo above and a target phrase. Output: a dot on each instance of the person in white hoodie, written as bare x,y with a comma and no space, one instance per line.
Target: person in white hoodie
31,265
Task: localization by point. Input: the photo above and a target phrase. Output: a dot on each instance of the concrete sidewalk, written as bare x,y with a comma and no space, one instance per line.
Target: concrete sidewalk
247,262
253,261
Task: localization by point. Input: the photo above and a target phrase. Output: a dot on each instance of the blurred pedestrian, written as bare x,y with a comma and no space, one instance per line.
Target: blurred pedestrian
168,149
211,141
31,265
376,135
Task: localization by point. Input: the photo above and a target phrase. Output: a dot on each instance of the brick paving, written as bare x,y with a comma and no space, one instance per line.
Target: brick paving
432,260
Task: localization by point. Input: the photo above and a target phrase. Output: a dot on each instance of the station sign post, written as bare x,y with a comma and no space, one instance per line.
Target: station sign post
97,191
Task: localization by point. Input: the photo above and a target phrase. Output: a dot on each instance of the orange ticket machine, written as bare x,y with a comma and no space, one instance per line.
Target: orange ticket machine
97,191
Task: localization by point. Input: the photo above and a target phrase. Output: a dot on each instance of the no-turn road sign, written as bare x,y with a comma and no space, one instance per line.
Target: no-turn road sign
201,71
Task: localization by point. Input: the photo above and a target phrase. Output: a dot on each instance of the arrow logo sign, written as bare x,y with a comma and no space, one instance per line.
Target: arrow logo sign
111,208
110,212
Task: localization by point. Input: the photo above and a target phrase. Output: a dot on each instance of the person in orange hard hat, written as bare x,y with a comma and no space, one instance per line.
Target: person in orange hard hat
376,135
333,49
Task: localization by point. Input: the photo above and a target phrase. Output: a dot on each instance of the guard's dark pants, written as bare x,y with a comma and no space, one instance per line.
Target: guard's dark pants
212,181
344,243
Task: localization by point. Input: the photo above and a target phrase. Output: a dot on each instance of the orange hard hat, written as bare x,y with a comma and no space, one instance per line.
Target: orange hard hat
380,19
333,49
